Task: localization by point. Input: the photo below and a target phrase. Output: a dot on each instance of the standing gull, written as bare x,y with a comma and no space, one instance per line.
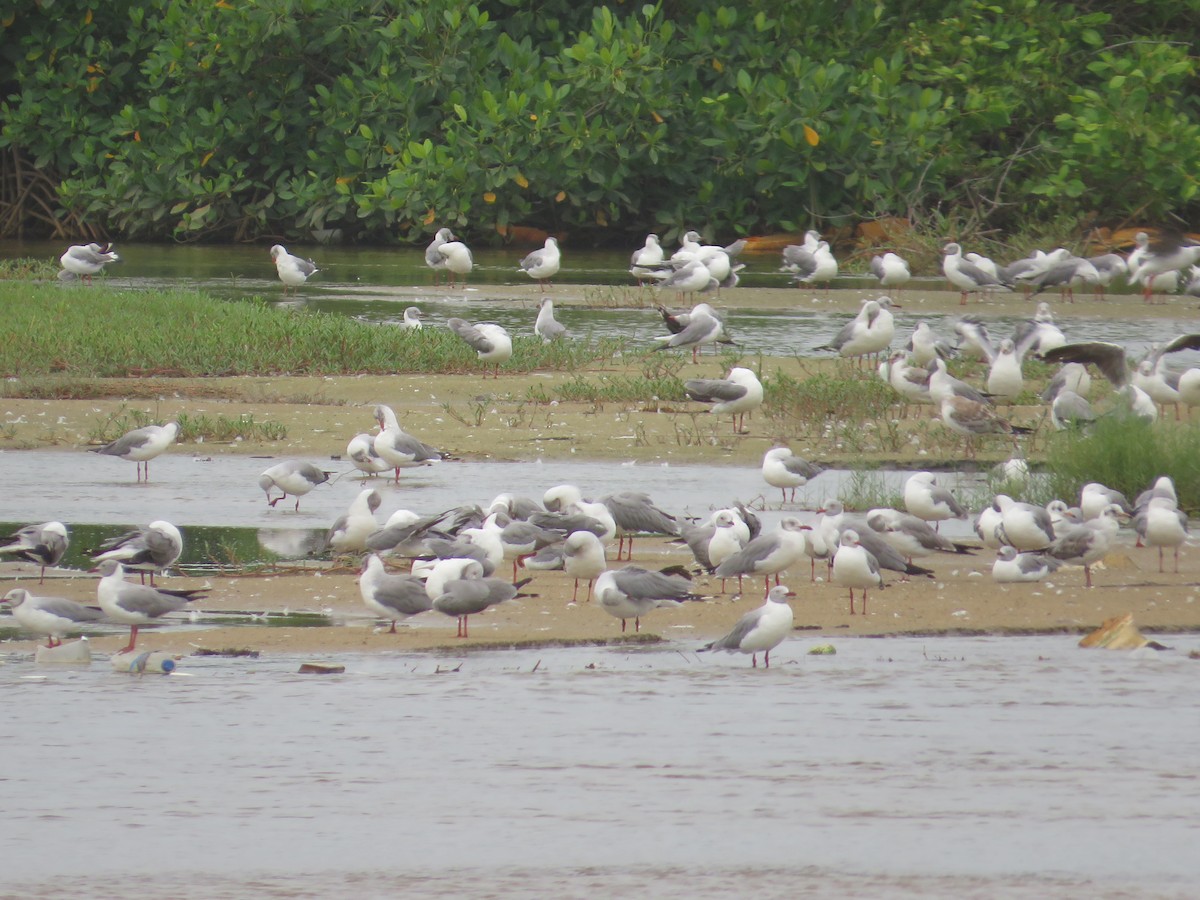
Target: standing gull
491,342
86,260
631,592
398,448
760,630
361,451
543,264
741,392
52,617
457,260
292,476
391,596
433,255
926,499
855,567
44,544
547,327
412,319
149,550
473,593
293,271
968,276
869,332
141,445
349,533
583,557
646,259
136,604
768,554
785,470
891,270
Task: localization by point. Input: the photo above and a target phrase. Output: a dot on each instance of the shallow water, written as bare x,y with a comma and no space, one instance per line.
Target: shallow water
958,768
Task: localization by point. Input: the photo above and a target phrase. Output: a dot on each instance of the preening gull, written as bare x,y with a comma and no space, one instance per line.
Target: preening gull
433,256
583,557
891,270
490,341
473,593
398,448
86,260
546,326
149,550
293,271
631,592
43,544
785,470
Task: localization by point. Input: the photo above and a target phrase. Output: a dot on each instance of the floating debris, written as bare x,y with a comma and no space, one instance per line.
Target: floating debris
227,653
1119,633
321,669
823,650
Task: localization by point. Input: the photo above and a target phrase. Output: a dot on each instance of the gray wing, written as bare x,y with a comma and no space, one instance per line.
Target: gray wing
697,538
1108,358
1070,407
941,495
881,553
976,274
1072,545
549,558
842,337
1028,563
798,260
634,512
147,601
552,329
877,267
1183,342
463,597
393,536
403,593
641,584
408,445
69,609
471,335
306,266
699,327
978,333
534,259
743,627
127,442
712,390
798,466
747,559
162,548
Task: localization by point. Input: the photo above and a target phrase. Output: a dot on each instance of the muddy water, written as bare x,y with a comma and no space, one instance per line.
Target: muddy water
962,768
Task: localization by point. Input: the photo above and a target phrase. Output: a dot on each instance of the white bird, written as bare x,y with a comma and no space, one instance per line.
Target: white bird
1095,497
768,554
361,451
433,256
1163,524
973,338
1004,376
1189,389
871,331
1167,256
149,550
292,476
491,342
136,604
968,276
547,327
646,258
1039,334
391,596
891,270
412,319
785,470
293,271
52,617
543,264
1108,266
910,536
760,630
583,557
691,277
1011,566
1070,410
457,260
86,260
349,533
141,445
1026,527
812,263
473,593
702,326
925,345
1088,542
737,394
911,382
855,567
631,592
398,448
44,544
927,500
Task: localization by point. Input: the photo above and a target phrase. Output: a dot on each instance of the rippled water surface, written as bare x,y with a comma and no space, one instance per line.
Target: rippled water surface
954,768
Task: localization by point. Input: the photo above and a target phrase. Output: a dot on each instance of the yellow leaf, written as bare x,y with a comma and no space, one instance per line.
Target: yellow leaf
345,179
221,4
87,19
601,219
430,218
657,118
533,117
137,136
718,65
207,157
811,136
7,22
560,196
93,83
522,181
489,197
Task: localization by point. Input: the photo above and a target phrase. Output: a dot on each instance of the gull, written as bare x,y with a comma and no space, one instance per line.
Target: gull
391,596
1163,524
689,248
149,550
760,630
1026,527
53,617
398,448
490,341
691,277
891,270
737,394
583,557
141,445
910,536
871,331
567,498
457,260
433,256
695,328
968,276
1011,566
1004,376
855,567
136,604
543,264
514,537
44,544
942,385
86,260
361,451
1088,542
1033,266
924,345
1168,255
911,382
988,526
1189,389
1094,498
1159,385
1192,288
715,541
929,501
292,476
835,521
349,533
785,470
1039,334
631,592
293,271
633,512
768,554
973,419
1108,266
547,327
472,594
646,258
1069,410
438,572
1113,363
1071,377
812,263
1065,276
412,319
973,338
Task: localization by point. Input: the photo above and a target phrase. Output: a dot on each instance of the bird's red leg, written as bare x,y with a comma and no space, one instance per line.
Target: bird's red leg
851,601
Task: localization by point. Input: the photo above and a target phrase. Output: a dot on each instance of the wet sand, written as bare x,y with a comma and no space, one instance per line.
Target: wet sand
322,413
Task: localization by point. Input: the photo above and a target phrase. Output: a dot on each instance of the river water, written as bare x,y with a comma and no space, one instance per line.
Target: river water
1015,767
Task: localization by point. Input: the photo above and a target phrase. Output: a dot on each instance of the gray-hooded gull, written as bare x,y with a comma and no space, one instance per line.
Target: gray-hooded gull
147,551
361,452
583,557
51,617
472,594
292,476
293,271
768,554
491,342
543,264
760,630
928,500
136,604
1088,542
855,567
737,394
785,470
349,532
546,326
85,260
141,445
433,256
1163,525
44,544
891,269
398,448
631,592
1011,566
968,277
391,596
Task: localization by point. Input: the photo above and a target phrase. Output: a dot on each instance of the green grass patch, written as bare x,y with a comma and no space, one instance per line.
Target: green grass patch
1126,454
192,428
827,397
28,269
100,332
